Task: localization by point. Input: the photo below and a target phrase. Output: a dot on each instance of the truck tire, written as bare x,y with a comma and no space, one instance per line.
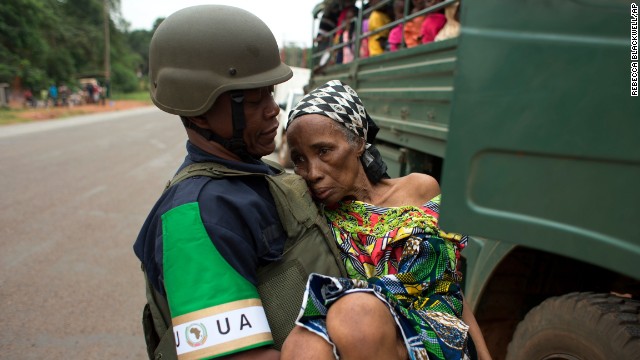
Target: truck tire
579,326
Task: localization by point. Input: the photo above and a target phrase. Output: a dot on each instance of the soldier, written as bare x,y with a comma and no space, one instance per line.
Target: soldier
226,256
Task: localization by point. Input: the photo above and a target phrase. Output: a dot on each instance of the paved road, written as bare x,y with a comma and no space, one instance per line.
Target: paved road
73,195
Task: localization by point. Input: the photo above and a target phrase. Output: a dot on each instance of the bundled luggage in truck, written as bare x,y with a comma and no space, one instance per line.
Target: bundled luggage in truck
527,120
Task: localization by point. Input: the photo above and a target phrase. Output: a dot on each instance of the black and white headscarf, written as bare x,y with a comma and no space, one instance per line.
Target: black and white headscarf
341,103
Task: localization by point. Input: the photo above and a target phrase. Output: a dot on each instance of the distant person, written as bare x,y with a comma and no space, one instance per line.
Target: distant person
451,28
364,42
64,94
347,36
44,96
432,24
413,27
90,92
53,94
348,9
395,35
97,93
377,19
328,23
325,37
29,101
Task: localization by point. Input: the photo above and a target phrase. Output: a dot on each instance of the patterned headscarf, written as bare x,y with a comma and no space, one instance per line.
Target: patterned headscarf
341,103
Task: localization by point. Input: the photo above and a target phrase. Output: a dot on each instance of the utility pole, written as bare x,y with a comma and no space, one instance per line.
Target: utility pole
107,52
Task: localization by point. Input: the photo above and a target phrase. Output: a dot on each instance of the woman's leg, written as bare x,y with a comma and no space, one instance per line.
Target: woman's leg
475,332
302,344
362,327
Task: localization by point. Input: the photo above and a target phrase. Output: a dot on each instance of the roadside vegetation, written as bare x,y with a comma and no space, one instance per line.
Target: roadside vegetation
119,101
61,43
56,42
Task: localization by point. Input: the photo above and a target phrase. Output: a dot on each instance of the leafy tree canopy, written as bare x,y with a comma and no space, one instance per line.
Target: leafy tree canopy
44,42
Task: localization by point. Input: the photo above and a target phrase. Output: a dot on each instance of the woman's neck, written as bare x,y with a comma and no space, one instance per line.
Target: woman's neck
379,194
411,190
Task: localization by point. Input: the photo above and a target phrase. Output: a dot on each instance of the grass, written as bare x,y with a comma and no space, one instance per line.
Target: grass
10,116
136,96
13,115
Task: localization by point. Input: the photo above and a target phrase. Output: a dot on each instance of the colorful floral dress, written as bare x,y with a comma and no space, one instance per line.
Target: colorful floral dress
400,255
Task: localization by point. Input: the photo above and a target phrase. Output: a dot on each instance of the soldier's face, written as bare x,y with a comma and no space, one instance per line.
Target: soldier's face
261,119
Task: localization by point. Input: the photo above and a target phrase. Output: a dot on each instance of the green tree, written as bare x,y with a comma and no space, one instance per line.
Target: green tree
139,42
55,41
23,48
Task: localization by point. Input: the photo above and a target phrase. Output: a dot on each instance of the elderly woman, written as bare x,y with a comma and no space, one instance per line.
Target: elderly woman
402,299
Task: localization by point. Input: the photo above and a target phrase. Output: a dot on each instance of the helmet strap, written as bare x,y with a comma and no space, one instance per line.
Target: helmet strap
236,144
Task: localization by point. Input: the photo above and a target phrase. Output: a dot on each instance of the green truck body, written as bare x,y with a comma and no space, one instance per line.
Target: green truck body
527,120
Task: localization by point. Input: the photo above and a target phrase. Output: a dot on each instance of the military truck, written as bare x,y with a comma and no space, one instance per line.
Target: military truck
528,121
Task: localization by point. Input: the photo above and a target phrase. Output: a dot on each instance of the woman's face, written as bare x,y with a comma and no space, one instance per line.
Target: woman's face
324,158
429,3
398,8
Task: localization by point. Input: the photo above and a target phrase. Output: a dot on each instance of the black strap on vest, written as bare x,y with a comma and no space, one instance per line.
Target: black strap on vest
156,324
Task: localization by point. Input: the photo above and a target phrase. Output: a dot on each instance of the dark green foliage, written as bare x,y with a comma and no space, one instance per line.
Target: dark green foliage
125,79
58,41
43,42
139,42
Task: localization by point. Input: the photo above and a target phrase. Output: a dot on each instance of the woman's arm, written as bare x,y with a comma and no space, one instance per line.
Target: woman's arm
255,354
474,331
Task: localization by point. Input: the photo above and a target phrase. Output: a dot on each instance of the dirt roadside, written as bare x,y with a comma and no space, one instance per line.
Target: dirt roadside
60,112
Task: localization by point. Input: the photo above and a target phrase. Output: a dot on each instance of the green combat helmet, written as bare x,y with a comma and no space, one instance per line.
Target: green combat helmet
200,52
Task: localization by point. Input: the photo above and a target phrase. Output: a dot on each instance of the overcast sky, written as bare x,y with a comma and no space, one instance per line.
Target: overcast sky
289,20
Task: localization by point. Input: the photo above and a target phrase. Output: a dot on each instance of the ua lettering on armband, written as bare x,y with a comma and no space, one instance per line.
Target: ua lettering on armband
224,329
215,311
